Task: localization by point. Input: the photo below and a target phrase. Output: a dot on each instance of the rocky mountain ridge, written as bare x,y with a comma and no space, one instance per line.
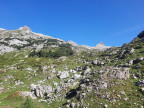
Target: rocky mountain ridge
10,39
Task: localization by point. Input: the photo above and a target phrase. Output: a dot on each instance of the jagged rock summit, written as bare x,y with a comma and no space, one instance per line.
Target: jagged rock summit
25,28
101,46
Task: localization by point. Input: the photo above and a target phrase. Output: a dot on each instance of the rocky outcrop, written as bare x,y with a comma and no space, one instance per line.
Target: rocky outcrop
133,61
63,74
141,35
17,42
125,52
72,43
98,80
98,62
119,73
39,47
41,90
131,51
101,47
28,94
4,49
77,76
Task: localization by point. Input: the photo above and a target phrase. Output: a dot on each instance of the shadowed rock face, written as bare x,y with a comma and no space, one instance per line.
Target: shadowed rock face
141,35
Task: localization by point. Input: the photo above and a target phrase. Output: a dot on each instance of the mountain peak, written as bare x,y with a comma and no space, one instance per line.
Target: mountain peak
101,43
101,46
25,28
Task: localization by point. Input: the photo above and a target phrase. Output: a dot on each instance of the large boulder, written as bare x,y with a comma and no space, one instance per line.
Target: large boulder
77,76
63,74
131,51
39,47
41,90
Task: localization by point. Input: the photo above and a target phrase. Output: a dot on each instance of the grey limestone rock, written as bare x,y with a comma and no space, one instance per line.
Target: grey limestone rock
138,59
87,70
77,76
97,62
131,51
41,90
63,74
1,90
120,73
27,93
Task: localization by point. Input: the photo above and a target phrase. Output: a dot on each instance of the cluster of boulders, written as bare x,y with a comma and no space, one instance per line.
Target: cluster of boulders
126,52
38,91
87,84
98,62
119,73
133,61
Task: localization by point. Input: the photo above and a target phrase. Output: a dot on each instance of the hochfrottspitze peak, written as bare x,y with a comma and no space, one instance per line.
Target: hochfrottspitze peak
101,43
25,28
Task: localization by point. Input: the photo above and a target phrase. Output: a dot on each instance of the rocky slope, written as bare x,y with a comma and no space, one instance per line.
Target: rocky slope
42,71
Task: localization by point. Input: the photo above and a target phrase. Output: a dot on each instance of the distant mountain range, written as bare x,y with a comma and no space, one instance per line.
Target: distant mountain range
23,37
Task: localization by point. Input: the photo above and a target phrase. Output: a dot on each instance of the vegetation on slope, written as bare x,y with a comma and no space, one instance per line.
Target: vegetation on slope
28,67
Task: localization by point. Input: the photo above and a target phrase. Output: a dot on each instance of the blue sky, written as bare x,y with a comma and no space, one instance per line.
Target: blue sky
88,22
